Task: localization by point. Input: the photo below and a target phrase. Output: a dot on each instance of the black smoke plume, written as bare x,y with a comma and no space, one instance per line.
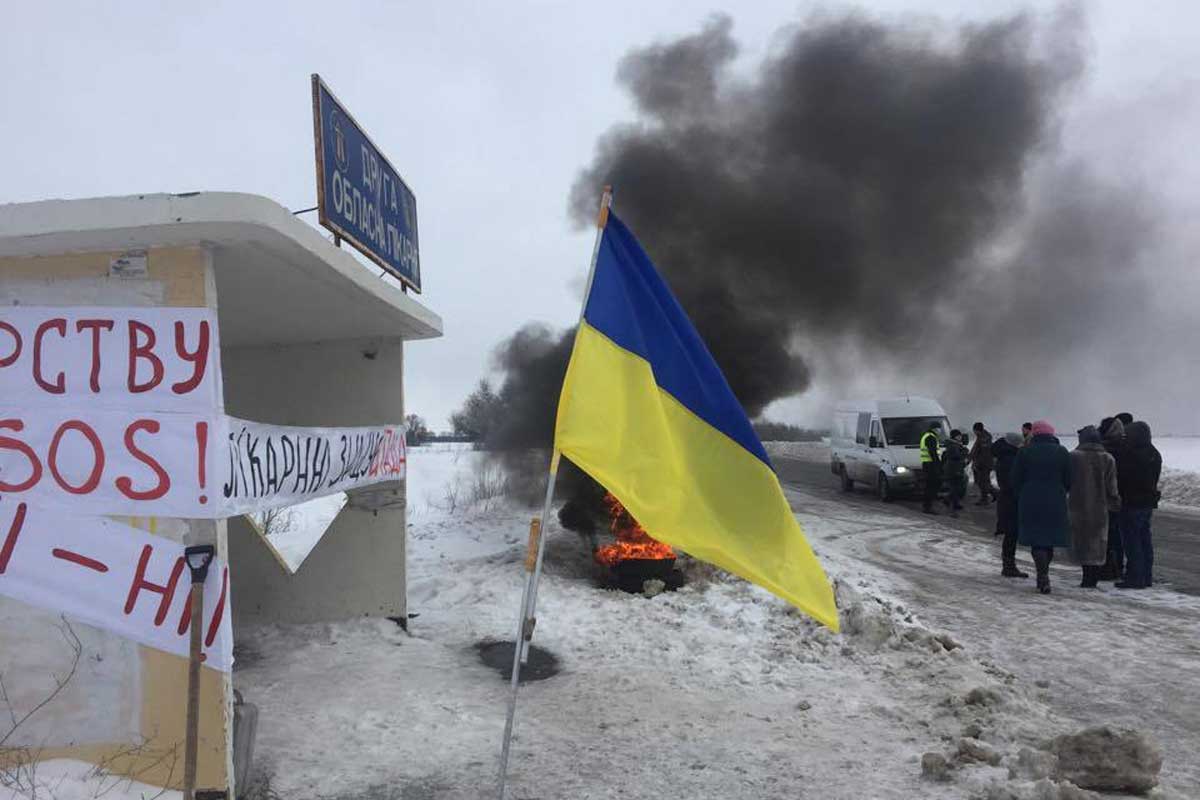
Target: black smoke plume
835,192
856,188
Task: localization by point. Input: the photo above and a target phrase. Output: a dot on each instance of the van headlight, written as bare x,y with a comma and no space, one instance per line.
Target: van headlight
901,470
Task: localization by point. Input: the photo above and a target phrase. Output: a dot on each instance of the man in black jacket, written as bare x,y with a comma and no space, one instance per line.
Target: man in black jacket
1138,472
1005,450
982,462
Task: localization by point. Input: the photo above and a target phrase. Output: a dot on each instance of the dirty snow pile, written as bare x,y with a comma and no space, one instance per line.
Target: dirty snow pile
1179,487
718,690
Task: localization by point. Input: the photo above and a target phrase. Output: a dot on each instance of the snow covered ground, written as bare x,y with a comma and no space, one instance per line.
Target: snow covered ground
1180,452
66,779
718,690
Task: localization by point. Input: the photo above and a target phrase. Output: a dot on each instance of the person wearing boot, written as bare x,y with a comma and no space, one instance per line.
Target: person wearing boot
931,465
1041,479
1112,430
982,462
1138,474
955,466
1005,450
1093,495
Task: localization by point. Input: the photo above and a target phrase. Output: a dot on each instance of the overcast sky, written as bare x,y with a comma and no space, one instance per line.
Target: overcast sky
490,111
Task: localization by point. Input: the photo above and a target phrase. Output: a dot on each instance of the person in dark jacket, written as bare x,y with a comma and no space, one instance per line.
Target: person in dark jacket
954,468
1005,451
1027,431
982,462
1138,472
1093,496
1112,431
1041,479
1126,418
931,465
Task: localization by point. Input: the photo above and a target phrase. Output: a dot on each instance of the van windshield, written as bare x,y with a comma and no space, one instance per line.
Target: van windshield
907,431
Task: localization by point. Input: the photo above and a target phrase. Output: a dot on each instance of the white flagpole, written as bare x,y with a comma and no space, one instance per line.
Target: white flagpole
537,539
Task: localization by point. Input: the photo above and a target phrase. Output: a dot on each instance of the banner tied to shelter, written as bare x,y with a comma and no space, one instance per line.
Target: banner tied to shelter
119,411
113,576
112,411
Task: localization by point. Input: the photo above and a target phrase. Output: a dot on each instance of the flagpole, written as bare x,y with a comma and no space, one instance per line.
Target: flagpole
537,538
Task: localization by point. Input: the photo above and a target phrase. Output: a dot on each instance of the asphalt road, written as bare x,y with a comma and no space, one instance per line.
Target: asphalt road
1176,534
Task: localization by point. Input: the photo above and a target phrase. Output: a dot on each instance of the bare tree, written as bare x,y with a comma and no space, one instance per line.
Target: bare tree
19,764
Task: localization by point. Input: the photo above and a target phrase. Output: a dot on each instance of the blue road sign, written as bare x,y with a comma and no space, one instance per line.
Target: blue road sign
360,195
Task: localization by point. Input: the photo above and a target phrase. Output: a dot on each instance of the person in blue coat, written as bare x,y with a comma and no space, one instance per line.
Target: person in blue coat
1041,479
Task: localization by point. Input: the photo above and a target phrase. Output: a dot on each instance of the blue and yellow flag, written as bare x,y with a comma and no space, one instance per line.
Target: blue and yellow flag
646,412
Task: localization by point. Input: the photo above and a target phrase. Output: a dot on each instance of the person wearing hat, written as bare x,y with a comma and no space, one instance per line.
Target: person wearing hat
1138,473
1093,496
1041,479
931,465
1112,431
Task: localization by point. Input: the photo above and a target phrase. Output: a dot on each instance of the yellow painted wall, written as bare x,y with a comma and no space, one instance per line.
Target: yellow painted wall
154,755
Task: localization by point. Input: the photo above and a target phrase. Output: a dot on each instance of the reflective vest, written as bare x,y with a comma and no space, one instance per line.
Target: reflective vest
929,446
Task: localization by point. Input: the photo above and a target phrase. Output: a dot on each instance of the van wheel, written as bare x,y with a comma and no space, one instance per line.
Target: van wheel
847,484
885,489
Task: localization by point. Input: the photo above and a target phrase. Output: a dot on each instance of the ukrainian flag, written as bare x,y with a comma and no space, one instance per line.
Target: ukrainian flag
646,412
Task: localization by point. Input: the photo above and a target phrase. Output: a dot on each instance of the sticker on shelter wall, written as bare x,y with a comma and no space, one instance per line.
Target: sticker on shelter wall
184,465
112,576
160,359
133,264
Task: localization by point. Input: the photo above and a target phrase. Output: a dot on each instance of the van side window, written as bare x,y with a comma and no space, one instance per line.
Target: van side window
864,428
877,432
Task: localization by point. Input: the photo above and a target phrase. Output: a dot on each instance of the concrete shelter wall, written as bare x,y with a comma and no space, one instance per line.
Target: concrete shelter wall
358,566
124,707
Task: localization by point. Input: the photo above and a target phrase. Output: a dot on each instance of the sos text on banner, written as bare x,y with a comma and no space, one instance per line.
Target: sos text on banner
109,462
160,359
111,576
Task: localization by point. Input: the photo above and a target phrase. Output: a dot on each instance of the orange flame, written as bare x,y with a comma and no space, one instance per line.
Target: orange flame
632,539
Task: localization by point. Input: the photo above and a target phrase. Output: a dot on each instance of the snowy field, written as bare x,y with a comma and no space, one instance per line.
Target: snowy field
1180,452
718,690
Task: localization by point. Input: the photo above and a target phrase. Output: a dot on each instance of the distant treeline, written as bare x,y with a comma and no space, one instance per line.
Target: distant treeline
782,432
447,437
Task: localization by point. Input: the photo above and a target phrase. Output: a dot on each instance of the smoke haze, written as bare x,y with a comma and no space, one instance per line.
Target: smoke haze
893,191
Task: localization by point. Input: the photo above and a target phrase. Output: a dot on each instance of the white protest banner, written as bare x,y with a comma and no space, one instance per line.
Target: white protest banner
160,359
111,576
109,462
184,465
270,466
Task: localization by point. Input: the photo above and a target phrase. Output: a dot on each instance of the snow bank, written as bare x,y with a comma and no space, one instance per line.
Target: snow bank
804,451
1180,488
66,779
1179,452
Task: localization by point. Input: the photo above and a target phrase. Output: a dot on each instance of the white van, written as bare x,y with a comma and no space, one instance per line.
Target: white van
878,442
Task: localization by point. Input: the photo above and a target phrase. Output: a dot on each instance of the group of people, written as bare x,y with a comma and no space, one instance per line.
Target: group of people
1096,500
